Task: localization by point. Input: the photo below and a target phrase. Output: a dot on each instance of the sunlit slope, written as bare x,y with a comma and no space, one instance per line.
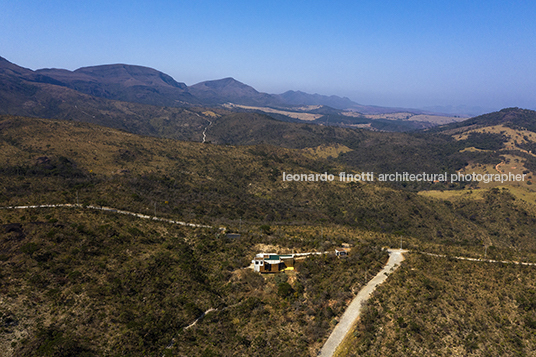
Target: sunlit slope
46,161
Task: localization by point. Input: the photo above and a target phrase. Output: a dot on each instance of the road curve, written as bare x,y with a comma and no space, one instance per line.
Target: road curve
354,309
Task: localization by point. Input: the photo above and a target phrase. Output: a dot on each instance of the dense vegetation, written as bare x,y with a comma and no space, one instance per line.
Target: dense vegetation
221,185
86,283
285,314
224,184
446,307
370,151
432,152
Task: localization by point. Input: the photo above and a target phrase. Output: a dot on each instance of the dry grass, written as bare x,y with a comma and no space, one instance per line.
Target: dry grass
437,119
511,164
295,115
522,194
453,195
210,114
325,151
515,136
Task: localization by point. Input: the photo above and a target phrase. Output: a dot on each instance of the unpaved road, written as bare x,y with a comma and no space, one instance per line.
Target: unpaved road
109,209
480,259
352,312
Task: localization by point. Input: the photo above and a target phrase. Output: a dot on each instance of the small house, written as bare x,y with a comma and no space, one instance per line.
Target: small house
272,263
341,252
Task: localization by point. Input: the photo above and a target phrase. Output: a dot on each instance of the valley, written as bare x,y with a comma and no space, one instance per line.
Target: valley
267,178
142,199
149,102
92,266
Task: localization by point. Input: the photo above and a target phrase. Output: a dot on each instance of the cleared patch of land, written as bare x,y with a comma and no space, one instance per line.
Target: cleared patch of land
295,115
512,164
325,151
516,136
436,119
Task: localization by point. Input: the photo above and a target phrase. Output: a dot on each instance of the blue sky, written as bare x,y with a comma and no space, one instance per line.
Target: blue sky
389,53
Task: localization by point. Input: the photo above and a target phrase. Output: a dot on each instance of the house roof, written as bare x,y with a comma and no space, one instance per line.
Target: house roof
271,258
272,261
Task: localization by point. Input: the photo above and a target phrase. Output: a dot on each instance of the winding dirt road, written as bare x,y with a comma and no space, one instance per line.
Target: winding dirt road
110,209
354,309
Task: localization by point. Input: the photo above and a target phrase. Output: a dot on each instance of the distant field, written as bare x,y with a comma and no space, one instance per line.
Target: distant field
295,115
437,119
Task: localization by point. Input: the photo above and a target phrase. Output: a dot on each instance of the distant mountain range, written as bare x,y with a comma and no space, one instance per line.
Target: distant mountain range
146,101
148,86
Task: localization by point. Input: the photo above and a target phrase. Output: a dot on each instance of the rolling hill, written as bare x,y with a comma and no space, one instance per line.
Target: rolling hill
53,160
230,90
44,93
124,83
87,282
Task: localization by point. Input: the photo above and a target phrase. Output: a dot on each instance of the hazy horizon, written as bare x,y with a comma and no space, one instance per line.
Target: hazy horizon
399,54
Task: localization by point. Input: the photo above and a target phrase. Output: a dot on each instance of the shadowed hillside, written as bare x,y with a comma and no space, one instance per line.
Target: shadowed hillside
124,83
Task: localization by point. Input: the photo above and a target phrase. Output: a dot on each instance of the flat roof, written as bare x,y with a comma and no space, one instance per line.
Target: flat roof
272,261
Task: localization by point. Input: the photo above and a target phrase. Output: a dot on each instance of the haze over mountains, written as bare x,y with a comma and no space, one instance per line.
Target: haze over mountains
148,86
125,83
101,282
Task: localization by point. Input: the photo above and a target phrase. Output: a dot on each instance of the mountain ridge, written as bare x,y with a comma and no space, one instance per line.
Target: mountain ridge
124,82
302,98
146,85
228,89
514,117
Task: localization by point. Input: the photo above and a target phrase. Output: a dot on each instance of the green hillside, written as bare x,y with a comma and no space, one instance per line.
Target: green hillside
515,118
66,162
